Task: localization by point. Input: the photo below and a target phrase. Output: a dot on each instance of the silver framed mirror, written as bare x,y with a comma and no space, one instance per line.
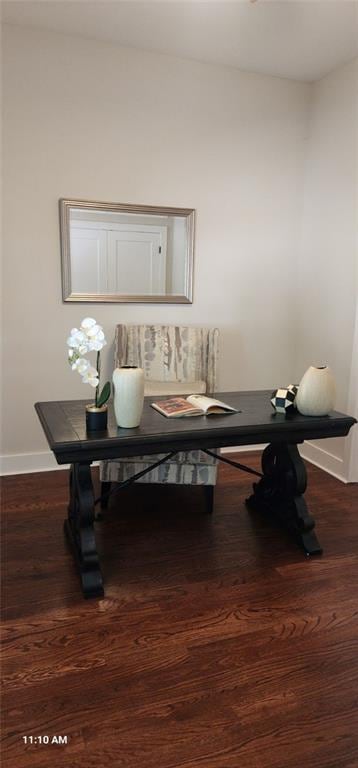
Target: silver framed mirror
114,252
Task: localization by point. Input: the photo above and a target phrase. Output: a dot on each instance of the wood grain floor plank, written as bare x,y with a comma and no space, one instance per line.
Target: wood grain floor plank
217,644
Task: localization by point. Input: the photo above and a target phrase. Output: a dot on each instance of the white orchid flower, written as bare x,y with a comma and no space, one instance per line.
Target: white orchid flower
77,340
73,334
91,377
89,337
88,322
98,336
92,332
96,345
81,365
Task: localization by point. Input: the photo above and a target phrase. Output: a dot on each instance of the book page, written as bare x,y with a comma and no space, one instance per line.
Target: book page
176,406
209,404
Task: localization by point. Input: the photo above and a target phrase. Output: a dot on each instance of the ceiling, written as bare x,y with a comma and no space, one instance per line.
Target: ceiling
297,39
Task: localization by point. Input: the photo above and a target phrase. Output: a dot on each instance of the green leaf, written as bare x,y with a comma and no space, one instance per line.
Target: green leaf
106,391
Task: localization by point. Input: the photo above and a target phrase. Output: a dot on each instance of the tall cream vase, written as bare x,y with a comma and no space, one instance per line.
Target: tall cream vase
316,392
128,385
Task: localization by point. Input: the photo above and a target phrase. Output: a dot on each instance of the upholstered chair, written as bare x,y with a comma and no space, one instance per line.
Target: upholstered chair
176,360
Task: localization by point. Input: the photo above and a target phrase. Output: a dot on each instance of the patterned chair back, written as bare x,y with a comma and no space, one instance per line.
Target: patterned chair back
169,353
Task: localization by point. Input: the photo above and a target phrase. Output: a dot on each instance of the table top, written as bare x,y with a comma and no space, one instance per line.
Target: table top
64,424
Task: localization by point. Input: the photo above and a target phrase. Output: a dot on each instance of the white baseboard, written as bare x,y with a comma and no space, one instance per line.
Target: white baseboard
24,463
44,461
324,460
310,452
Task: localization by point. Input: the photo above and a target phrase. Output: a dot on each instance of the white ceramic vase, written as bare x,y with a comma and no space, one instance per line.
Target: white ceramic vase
128,385
316,392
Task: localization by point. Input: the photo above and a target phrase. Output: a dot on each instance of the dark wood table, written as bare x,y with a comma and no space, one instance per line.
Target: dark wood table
279,491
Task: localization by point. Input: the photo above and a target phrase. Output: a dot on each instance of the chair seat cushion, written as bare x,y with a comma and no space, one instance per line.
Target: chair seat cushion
179,473
183,457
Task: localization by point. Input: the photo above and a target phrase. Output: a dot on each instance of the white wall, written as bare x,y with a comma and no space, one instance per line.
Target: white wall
351,445
327,275
84,119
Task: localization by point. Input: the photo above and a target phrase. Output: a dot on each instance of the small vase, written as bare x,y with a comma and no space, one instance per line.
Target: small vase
128,385
96,418
316,392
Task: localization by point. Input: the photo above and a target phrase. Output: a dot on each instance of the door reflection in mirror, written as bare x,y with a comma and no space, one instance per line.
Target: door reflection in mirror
111,252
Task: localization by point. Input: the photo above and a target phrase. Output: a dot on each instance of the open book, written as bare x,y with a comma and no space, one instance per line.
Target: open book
194,405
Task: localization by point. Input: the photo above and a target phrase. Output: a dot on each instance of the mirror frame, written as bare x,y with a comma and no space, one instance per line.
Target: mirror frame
66,205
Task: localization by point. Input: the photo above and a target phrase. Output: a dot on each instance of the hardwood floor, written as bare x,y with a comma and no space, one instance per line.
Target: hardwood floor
218,645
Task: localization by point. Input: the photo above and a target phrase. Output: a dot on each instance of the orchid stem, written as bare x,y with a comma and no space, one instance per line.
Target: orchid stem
98,366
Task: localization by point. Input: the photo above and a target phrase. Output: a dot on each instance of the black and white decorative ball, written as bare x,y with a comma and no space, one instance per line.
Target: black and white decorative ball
283,400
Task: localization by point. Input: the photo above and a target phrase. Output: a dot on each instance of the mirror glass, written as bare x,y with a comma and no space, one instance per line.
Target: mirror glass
115,252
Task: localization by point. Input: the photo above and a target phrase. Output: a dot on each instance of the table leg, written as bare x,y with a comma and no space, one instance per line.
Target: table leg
280,492
79,528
